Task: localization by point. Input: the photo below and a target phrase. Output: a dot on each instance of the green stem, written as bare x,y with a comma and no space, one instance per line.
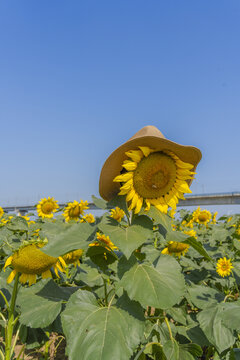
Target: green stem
105,292
169,329
10,325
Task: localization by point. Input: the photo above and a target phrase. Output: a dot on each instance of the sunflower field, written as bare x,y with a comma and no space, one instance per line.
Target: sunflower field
124,285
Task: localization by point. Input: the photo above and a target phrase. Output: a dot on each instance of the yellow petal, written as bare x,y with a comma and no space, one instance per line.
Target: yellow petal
8,262
11,276
184,165
138,205
182,186
129,165
130,195
23,278
135,155
62,261
123,177
145,150
148,204
32,278
165,251
46,274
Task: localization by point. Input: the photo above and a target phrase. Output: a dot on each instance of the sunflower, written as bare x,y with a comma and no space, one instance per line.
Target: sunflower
191,233
224,267
74,210
88,218
117,213
214,220
73,257
156,178
175,248
1,212
46,207
201,216
103,240
30,262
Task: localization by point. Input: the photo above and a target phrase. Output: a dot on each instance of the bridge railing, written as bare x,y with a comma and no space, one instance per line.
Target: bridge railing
232,198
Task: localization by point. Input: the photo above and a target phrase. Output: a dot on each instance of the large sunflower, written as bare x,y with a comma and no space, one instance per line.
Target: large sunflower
74,210
156,178
30,261
46,207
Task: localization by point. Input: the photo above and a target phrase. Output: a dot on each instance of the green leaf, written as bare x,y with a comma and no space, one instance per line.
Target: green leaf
231,315
203,296
41,303
189,351
128,239
178,314
63,238
163,284
171,350
198,247
102,333
101,256
18,224
100,203
218,334
160,218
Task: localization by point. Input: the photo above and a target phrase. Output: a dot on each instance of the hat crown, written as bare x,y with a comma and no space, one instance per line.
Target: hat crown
148,130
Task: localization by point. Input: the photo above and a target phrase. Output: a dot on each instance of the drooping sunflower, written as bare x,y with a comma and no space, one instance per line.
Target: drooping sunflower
201,216
46,207
156,178
31,262
103,240
73,257
117,213
74,210
175,248
1,211
224,267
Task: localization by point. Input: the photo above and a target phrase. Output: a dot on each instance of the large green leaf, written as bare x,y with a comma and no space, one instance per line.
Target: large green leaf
41,304
231,315
160,286
175,351
101,333
129,238
63,238
203,296
160,218
218,334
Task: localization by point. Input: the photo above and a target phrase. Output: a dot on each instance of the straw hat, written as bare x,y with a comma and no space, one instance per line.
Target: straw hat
148,136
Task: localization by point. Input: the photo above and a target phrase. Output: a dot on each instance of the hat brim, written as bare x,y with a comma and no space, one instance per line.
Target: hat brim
113,165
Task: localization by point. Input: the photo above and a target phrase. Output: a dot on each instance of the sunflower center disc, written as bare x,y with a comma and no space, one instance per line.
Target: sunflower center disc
202,217
47,208
74,212
154,176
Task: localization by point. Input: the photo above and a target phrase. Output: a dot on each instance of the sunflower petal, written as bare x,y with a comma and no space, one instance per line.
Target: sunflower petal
8,262
135,155
123,177
129,165
11,276
145,150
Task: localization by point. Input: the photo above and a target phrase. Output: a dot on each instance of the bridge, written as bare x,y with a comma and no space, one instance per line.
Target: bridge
232,198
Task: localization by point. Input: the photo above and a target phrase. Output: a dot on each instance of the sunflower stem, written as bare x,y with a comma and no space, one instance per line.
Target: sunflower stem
169,329
10,324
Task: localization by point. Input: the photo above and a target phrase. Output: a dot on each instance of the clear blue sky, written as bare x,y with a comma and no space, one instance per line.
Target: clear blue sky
78,78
